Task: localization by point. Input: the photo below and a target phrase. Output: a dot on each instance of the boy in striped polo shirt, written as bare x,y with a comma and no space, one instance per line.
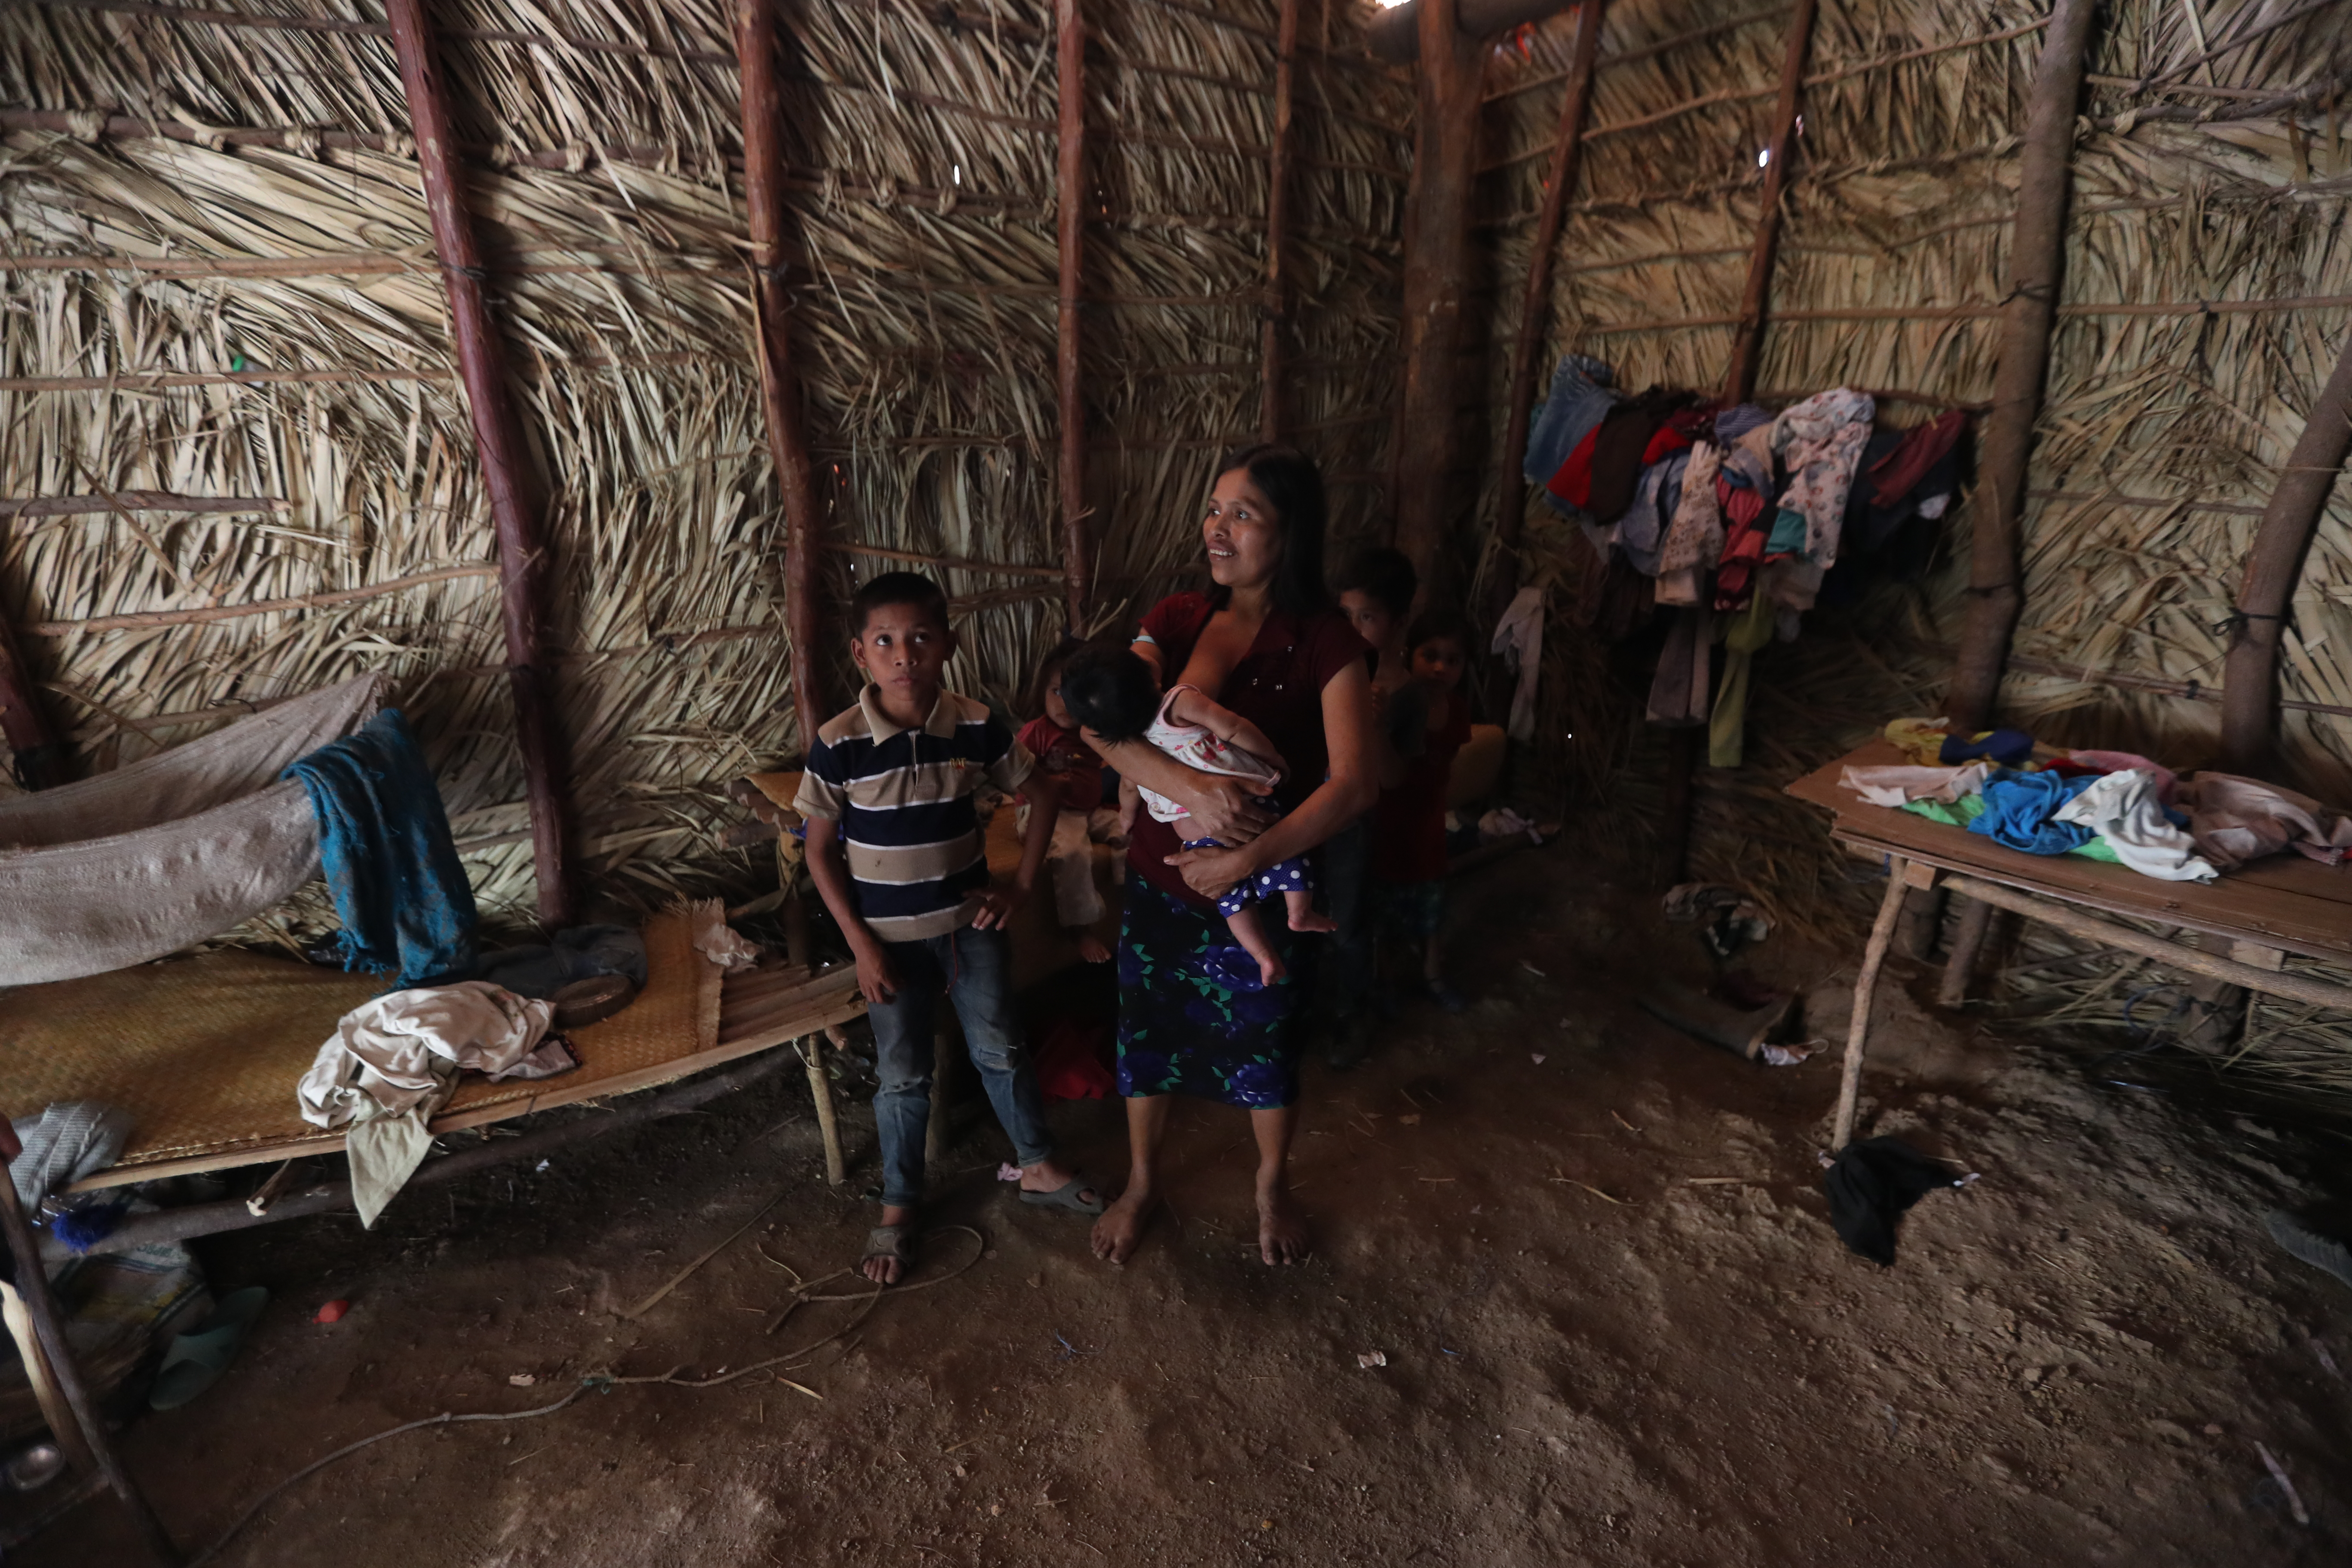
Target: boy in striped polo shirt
896,774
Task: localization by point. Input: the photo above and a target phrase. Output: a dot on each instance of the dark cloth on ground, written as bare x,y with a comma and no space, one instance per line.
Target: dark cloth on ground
1065,758
1409,824
1277,686
1871,1183
583,952
400,892
1179,1031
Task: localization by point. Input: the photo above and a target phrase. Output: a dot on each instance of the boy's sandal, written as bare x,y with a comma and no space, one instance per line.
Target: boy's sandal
892,1241
1068,1196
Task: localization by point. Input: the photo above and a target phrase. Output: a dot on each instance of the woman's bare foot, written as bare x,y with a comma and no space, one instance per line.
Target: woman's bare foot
1092,948
1121,1226
1281,1235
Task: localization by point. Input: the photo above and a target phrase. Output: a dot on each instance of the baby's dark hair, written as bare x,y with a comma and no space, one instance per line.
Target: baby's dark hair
1058,657
1435,624
1111,690
897,588
1386,575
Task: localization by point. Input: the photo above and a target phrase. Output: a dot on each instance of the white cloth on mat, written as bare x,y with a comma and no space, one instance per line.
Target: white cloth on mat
2122,808
395,1059
133,864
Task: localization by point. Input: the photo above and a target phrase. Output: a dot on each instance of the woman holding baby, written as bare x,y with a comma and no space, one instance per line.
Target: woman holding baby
1263,657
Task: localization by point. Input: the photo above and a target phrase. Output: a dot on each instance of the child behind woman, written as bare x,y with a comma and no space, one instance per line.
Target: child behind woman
1063,756
1409,829
1115,693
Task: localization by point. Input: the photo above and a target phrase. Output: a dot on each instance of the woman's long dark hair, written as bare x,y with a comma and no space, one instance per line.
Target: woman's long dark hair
1289,479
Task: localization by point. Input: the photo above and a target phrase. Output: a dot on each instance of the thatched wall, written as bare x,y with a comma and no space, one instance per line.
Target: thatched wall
2165,423
605,168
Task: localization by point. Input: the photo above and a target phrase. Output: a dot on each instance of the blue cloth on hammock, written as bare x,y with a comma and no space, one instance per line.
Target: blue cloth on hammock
2018,807
402,895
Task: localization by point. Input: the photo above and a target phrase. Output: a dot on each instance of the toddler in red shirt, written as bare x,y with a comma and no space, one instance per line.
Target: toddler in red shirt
1062,754
1409,824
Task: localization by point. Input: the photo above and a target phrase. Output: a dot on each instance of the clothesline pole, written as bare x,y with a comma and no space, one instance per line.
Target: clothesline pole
2274,564
1436,277
780,398
1277,226
1535,305
518,508
1070,235
2037,254
1866,993
1765,248
33,748
41,1302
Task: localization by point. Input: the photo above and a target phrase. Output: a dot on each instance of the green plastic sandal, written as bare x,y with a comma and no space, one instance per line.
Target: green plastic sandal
196,1358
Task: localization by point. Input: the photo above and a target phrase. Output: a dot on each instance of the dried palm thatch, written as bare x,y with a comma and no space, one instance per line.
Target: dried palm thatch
2165,420
189,200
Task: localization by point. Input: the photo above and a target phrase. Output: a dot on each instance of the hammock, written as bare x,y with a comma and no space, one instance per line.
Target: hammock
143,861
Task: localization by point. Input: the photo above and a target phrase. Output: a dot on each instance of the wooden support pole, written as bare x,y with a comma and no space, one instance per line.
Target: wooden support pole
1534,306
1277,226
63,1427
2249,673
1865,992
947,1043
36,757
1968,941
1436,279
2037,254
33,1284
518,508
828,1116
1070,238
1740,382
765,173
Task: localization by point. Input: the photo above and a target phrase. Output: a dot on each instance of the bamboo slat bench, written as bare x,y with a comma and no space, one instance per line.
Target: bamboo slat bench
2280,906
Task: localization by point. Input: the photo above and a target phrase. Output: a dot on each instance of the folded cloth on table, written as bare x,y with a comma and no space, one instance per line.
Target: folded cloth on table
1921,739
2007,747
2129,761
2234,820
394,1061
400,892
70,1139
2122,808
1896,786
2019,808
1583,390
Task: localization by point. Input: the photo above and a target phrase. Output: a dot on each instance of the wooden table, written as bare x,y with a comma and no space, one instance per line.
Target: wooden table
2281,905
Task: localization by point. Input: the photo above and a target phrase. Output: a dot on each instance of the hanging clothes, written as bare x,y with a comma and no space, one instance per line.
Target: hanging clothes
1819,442
1518,637
1583,390
1642,527
1678,692
1693,543
2122,808
1745,634
1743,484
1618,448
400,892
1896,473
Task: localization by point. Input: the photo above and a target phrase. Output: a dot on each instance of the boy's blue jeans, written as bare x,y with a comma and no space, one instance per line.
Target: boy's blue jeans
975,969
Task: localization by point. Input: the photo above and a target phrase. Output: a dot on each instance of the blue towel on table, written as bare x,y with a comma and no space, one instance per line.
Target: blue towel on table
2018,807
402,898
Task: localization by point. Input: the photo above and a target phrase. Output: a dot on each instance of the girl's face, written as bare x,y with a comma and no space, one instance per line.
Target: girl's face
1372,620
1056,709
1242,531
1441,661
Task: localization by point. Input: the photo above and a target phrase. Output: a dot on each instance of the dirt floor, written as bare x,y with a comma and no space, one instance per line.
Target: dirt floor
1595,1255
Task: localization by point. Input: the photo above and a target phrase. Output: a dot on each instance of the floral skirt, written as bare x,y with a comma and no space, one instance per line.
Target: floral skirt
1180,1033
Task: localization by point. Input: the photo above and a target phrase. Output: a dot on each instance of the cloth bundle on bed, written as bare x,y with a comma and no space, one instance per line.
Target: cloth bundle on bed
140,862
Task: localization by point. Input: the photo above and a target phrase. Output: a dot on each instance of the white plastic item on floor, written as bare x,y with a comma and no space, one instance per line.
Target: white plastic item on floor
2122,808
